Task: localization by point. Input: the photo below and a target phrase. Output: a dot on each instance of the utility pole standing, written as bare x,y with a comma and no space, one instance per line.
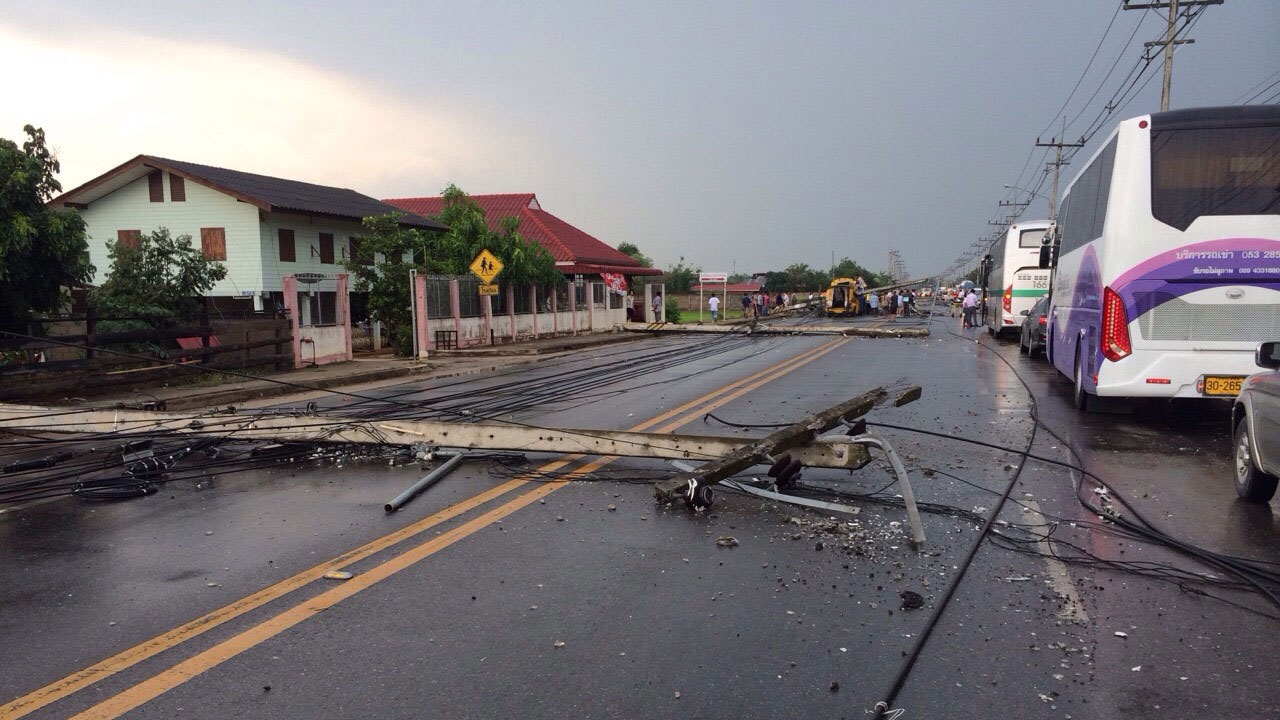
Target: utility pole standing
1057,166
1168,42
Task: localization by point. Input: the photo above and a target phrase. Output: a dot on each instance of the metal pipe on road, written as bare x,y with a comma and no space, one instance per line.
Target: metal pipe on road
431,479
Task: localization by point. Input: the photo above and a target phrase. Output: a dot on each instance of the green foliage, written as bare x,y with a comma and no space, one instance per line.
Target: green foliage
631,250
159,282
42,251
525,262
801,277
163,276
673,309
681,277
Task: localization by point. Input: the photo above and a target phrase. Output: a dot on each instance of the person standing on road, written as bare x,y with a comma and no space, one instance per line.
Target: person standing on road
970,305
657,307
714,305
873,304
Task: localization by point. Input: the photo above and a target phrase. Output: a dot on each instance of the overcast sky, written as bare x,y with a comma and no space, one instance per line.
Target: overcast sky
741,136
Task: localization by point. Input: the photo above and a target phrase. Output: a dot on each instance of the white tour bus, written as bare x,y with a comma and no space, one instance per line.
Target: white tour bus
1016,281
1168,271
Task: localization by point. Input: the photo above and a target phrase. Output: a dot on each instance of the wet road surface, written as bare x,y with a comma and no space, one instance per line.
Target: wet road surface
586,599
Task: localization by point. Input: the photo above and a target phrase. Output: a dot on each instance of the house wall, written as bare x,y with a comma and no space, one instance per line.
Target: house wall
306,239
253,253
130,208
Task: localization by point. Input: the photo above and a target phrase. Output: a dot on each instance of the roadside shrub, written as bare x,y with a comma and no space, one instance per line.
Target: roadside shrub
673,310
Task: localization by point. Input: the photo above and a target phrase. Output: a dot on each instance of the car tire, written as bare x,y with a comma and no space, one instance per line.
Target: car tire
1081,396
1022,347
1252,484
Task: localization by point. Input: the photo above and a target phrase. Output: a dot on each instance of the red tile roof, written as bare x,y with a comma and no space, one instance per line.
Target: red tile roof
566,243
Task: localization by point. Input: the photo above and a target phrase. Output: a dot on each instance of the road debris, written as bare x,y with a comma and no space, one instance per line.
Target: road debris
338,575
727,541
911,600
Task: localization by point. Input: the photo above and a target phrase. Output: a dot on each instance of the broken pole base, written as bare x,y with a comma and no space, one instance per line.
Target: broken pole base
693,487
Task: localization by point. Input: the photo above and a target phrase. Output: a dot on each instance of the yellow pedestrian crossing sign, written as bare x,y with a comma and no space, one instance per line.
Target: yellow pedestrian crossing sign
486,266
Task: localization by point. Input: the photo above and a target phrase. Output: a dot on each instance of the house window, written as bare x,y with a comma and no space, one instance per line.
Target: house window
155,186
213,242
288,252
326,248
356,255
129,238
177,188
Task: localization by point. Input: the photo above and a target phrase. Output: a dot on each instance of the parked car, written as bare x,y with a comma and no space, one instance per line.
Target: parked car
1031,341
1255,421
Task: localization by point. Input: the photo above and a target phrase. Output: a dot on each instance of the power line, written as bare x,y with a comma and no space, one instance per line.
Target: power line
1169,41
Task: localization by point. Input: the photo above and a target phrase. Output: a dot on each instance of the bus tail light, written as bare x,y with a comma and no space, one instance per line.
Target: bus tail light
1115,327
1007,300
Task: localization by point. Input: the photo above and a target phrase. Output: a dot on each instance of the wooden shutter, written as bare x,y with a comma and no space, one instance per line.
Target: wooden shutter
177,188
287,251
326,248
129,238
155,186
213,242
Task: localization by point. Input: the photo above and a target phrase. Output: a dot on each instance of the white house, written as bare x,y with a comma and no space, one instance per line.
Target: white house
261,227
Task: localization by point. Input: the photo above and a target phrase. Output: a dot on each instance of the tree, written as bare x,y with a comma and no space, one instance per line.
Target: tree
524,262
440,253
680,278
630,249
160,276
851,269
43,252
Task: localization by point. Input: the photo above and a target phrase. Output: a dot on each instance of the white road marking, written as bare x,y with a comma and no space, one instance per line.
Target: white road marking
1072,608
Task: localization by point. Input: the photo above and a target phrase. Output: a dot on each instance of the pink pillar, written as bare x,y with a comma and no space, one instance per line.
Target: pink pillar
289,286
533,303
511,310
342,302
573,305
420,308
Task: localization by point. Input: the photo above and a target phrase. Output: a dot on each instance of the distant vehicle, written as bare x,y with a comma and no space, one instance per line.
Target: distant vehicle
841,298
1168,268
1255,422
1016,280
1031,335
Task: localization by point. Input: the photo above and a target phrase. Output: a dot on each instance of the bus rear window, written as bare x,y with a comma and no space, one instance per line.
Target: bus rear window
1214,171
1030,238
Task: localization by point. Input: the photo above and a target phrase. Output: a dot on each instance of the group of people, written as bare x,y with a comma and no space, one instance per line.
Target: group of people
898,303
966,303
758,304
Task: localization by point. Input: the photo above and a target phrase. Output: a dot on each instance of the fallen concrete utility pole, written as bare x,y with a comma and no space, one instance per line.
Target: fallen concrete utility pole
695,487
471,436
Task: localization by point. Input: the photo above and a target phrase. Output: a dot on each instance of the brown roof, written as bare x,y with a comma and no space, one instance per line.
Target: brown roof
264,191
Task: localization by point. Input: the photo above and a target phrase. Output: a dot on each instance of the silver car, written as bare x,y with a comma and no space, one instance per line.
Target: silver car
1255,419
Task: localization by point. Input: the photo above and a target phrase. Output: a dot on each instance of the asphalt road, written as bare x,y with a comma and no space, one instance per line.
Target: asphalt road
489,596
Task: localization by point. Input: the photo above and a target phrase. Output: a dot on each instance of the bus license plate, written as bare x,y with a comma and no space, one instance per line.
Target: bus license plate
1221,385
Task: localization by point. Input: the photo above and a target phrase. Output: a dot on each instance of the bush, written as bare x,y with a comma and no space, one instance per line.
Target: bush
673,310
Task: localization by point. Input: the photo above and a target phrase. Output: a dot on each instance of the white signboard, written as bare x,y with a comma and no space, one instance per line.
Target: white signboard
713,277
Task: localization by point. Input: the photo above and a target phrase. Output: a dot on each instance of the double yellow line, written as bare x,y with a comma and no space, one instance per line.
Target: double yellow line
189,668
